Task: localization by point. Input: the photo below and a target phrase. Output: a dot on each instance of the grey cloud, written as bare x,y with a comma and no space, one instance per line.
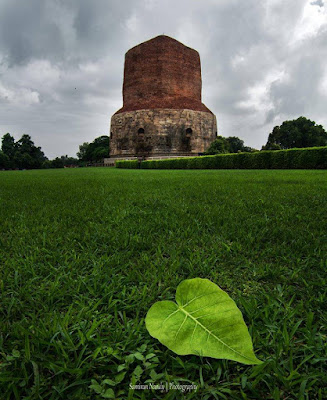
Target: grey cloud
300,92
60,31
27,31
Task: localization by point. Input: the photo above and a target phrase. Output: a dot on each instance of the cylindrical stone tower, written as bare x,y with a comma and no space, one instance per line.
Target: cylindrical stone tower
162,113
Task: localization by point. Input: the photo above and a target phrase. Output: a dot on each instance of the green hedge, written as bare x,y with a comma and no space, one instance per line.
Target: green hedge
307,158
132,164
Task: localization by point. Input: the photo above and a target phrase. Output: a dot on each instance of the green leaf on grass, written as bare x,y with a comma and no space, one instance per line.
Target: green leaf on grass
205,322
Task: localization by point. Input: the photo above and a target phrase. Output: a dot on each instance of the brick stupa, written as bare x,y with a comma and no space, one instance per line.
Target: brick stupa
162,113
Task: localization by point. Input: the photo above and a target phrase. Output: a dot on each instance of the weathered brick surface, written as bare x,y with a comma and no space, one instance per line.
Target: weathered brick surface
162,112
162,73
161,132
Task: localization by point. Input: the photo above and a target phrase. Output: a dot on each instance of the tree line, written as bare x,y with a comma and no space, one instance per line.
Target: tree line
24,154
20,154
298,133
231,144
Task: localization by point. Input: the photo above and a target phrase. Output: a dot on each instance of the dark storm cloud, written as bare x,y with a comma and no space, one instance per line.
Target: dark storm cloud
61,63
27,31
59,30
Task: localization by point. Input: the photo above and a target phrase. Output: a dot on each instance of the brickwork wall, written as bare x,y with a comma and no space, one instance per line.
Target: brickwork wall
161,132
162,73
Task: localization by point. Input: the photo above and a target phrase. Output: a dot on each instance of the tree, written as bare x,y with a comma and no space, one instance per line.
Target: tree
231,144
4,161
23,153
95,151
234,144
24,161
218,146
27,154
8,146
61,162
81,154
301,132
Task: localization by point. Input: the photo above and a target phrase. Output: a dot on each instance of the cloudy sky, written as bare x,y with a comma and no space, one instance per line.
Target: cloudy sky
61,63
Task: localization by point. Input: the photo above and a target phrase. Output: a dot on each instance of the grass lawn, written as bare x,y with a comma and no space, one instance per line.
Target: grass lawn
84,253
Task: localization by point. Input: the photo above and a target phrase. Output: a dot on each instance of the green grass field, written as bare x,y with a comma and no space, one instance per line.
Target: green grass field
84,253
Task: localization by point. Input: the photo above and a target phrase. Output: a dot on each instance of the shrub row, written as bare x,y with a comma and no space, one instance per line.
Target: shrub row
131,164
306,158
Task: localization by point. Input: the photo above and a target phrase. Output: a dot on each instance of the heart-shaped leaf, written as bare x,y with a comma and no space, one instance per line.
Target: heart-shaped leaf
205,322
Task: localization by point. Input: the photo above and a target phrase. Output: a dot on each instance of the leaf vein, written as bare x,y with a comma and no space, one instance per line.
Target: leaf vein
170,316
180,327
214,336
198,297
210,305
